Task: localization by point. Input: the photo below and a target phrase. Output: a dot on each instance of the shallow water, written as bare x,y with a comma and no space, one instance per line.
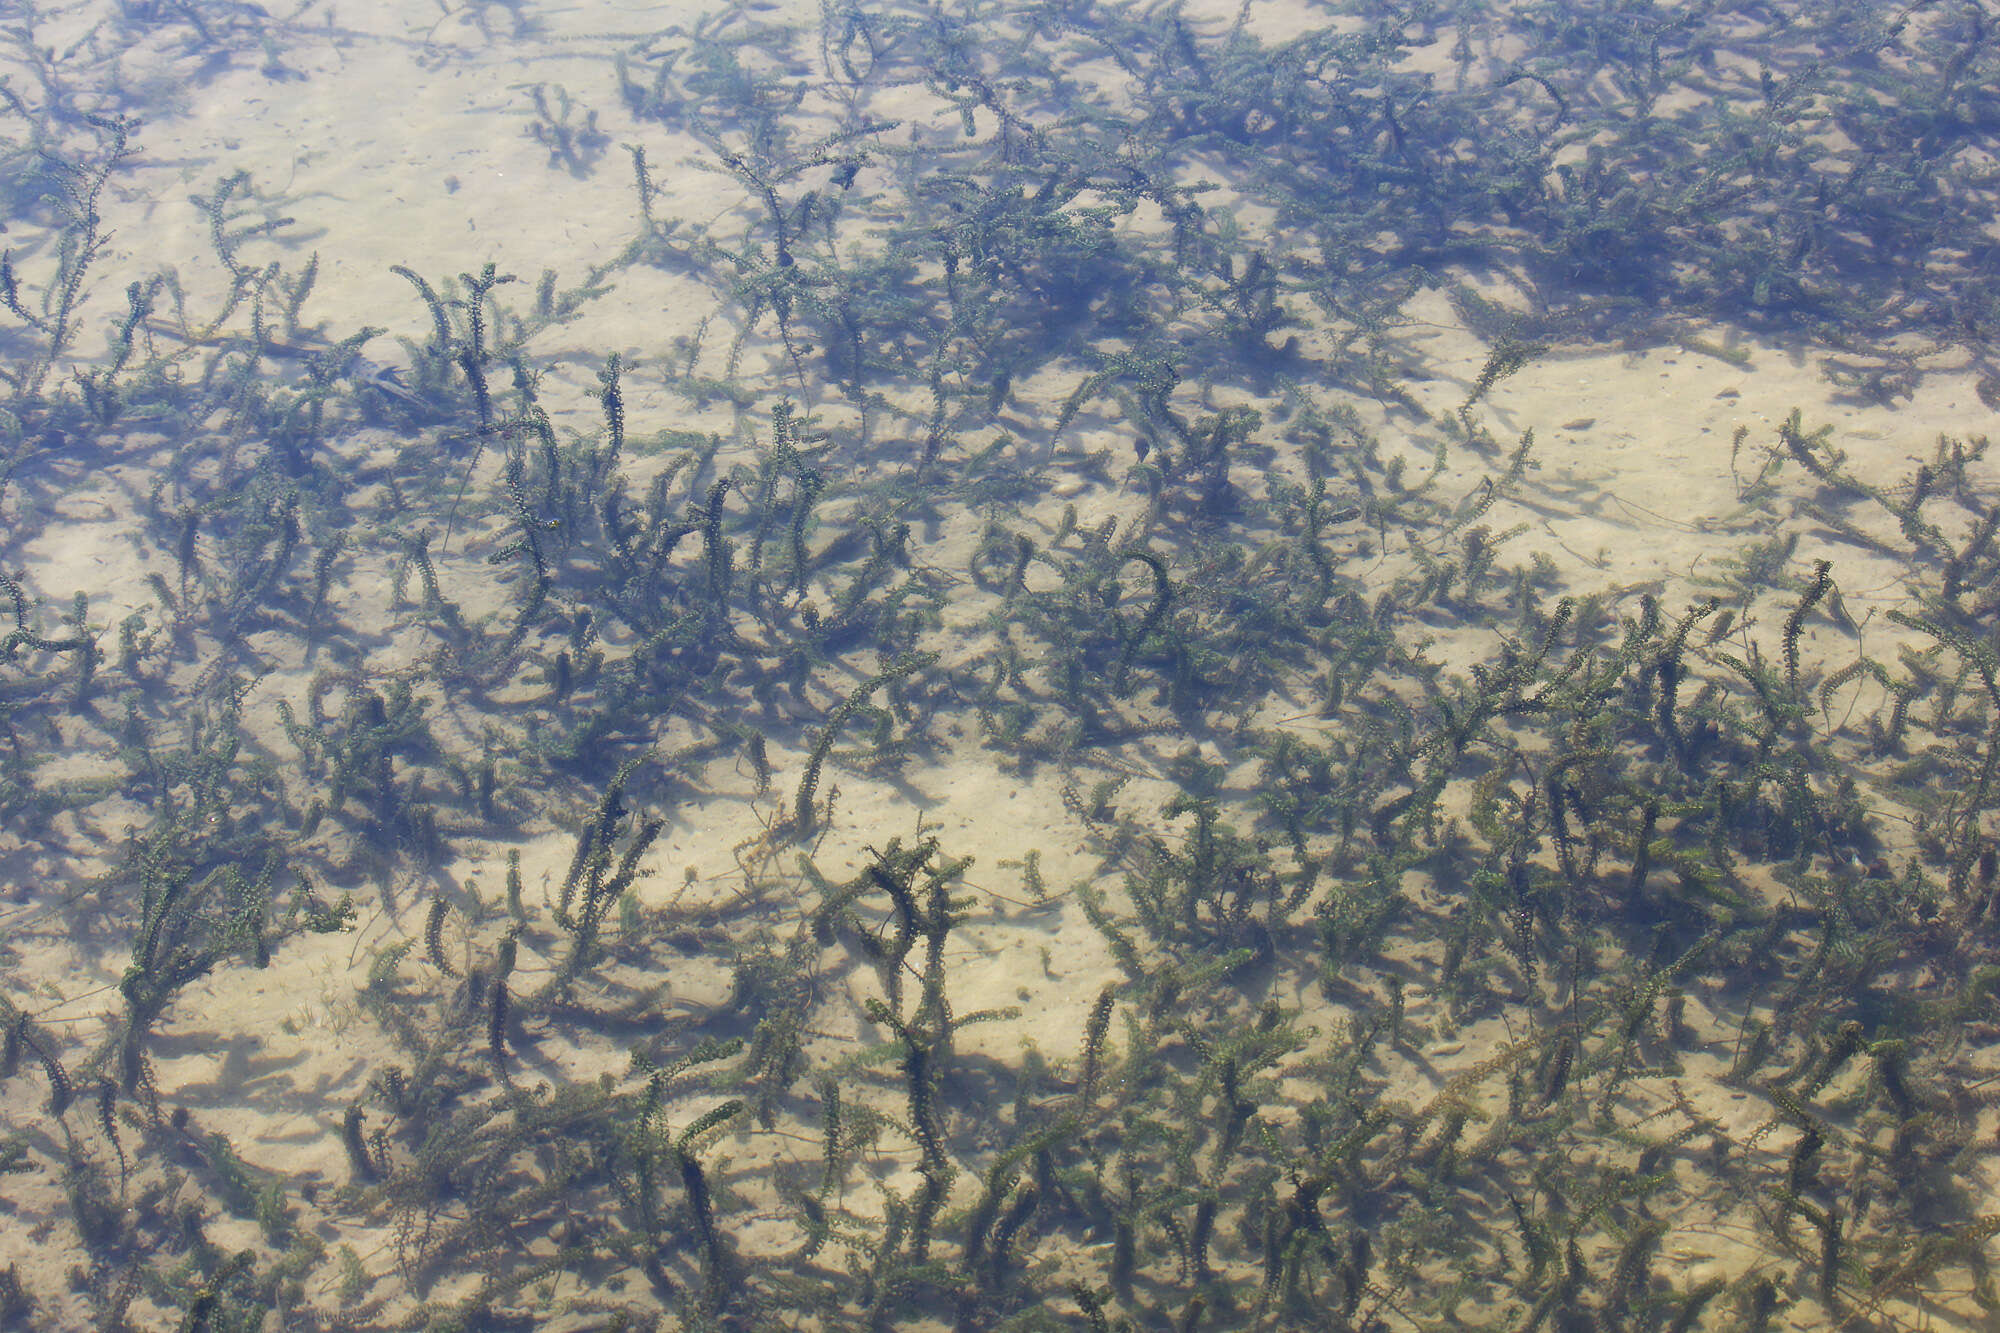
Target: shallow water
998,666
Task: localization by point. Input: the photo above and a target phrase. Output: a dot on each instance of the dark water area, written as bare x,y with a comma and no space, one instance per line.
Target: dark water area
993,666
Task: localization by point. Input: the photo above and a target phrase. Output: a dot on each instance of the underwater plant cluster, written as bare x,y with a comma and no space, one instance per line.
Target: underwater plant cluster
1410,925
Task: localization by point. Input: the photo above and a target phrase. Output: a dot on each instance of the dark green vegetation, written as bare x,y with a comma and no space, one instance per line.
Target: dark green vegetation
1643,853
